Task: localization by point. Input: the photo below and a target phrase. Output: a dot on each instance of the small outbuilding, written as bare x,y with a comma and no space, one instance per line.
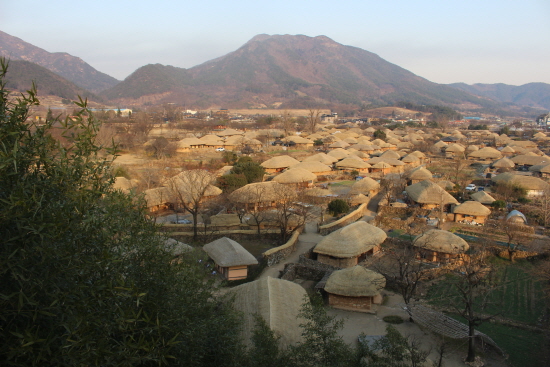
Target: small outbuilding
355,289
471,212
231,259
350,245
440,246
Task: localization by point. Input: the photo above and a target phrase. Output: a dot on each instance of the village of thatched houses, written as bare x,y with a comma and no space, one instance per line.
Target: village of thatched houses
440,246
350,245
355,289
230,258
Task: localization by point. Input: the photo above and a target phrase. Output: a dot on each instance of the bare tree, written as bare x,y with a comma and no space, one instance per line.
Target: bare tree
292,213
391,187
251,199
189,189
287,121
313,119
542,208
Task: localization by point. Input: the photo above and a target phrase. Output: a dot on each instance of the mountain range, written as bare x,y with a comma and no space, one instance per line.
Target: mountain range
283,71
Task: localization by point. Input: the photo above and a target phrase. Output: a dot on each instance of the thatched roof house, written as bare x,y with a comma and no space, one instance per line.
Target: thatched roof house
529,160
486,153
355,288
429,194
339,153
350,164
419,174
296,176
503,163
366,186
471,212
350,245
277,301
264,194
232,260
483,197
533,185
440,246
279,163
318,168
158,198
321,157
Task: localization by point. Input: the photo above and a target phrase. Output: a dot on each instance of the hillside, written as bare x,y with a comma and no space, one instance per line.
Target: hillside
535,95
69,67
295,72
21,74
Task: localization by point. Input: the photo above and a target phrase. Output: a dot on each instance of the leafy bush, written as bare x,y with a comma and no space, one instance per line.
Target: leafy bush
393,319
498,204
337,206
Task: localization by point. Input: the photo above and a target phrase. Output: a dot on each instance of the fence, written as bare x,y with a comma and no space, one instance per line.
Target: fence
344,221
277,254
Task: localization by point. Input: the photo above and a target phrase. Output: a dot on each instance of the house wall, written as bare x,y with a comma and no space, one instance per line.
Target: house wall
337,261
233,272
356,303
469,218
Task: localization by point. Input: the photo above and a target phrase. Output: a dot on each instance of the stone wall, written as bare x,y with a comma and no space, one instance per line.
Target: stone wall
344,221
276,255
306,269
357,303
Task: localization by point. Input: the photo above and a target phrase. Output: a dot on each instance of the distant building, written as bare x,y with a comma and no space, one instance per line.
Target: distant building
544,120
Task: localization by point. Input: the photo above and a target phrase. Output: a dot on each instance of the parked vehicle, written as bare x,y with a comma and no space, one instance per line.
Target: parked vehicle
220,149
471,187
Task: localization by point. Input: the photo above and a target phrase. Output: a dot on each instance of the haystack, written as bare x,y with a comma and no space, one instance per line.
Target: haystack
277,301
232,260
355,288
440,246
350,245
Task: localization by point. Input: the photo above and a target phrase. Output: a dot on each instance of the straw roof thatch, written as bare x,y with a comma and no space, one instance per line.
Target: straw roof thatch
391,161
157,196
281,161
503,163
441,241
350,241
353,163
427,192
455,148
445,184
225,220
188,185
530,160
472,208
277,301
508,149
339,153
260,192
123,184
318,192
486,153
420,173
295,176
339,144
358,199
364,185
527,182
176,248
483,197
390,154
312,166
322,158
419,154
225,252
356,281
410,158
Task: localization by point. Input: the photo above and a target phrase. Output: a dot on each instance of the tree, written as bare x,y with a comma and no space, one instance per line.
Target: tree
379,134
86,279
313,119
337,206
287,121
253,171
322,346
189,189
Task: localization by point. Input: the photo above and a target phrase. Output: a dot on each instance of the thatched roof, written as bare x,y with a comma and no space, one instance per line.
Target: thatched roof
390,161
123,184
455,148
356,281
260,192
339,153
225,252
446,185
441,241
364,185
322,158
486,153
420,173
318,192
295,175
350,241
530,160
176,248
527,182
427,192
312,166
410,158
225,220
503,163
358,199
352,163
229,132
277,301
472,208
419,154
188,185
390,154
281,161
483,197
157,196
508,149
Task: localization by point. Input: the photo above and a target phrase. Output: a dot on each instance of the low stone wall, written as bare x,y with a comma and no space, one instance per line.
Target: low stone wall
276,255
307,269
344,221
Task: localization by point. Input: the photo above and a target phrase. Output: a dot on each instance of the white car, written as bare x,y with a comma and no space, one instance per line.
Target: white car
220,149
471,187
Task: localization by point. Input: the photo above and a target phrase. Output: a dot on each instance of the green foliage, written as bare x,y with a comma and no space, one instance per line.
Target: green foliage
437,112
393,319
253,171
229,157
231,182
337,206
477,127
505,130
523,200
395,350
265,350
318,143
379,134
86,280
322,346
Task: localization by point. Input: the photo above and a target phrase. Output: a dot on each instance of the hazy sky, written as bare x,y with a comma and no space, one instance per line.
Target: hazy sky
444,41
